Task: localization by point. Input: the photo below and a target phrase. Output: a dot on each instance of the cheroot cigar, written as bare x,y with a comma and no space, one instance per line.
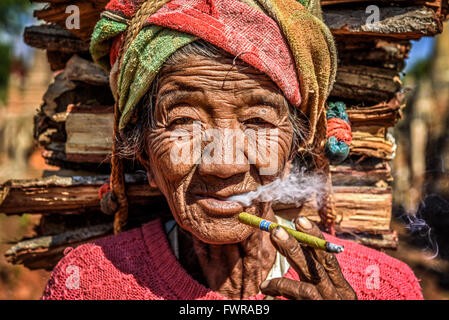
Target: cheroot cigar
302,237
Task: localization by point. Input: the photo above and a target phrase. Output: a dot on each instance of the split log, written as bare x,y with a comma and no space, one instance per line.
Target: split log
365,84
67,195
441,7
382,114
81,82
363,209
372,52
60,44
395,22
91,141
45,252
367,173
79,69
372,142
89,10
54,38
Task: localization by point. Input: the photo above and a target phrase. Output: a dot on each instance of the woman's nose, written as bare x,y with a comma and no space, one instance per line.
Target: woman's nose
223,153
222,170
224,160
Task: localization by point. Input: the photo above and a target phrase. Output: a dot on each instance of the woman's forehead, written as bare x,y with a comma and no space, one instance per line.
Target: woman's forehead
214,68
203,74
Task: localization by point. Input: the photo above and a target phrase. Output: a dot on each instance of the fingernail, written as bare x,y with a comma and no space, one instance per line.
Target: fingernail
304,222
264,284
280,233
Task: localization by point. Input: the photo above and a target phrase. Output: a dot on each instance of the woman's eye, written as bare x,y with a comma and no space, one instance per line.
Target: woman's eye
256,121
181,121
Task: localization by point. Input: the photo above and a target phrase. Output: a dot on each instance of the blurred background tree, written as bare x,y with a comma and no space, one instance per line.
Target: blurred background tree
13,15
24,77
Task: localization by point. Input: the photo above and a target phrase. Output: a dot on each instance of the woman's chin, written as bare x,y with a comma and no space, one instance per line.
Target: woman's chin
219,237
219,230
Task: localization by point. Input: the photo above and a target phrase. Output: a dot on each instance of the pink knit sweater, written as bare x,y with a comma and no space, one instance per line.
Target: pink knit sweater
139,264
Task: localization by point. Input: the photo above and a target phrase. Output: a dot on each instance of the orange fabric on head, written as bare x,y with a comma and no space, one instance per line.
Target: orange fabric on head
339,129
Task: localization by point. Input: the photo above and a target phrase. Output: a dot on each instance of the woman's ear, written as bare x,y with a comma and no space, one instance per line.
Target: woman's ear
151,180
145,162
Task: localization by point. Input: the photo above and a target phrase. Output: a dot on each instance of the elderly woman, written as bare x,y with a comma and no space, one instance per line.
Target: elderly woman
185,65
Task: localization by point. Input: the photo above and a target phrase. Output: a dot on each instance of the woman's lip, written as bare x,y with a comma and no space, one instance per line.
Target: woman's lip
218,207
222,194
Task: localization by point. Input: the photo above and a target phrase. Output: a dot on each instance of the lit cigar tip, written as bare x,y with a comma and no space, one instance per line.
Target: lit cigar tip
334,248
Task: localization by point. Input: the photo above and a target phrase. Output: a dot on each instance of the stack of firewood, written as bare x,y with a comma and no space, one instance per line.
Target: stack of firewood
74,125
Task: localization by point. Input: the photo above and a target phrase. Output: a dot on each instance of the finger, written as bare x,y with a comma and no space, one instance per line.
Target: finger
303,262
305,225
290,248
290,289
333,270
326,259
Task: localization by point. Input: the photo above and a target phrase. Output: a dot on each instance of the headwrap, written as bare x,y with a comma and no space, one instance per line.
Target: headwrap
278,37
285,39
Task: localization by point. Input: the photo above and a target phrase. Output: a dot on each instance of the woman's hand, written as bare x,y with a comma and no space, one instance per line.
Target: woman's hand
319,271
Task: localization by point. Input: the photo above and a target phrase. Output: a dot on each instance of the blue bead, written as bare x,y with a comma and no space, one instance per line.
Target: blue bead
337,110
264,225
336,151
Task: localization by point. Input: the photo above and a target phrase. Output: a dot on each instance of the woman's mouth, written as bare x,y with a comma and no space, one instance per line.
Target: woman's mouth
218,207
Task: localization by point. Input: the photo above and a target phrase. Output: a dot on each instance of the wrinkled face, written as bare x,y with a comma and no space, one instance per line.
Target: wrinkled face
218,125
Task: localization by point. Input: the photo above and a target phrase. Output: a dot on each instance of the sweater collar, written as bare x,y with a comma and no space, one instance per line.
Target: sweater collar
170,272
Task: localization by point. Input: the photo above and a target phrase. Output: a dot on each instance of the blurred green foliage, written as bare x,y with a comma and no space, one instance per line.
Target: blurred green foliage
420,69
12,13
5,58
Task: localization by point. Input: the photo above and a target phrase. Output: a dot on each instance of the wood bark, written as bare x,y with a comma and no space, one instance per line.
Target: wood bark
365,83
367,173
54,38
67,195
395,22
45,252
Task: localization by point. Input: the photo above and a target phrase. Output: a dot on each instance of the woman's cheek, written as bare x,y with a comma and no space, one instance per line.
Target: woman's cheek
171,154
285,144
270,152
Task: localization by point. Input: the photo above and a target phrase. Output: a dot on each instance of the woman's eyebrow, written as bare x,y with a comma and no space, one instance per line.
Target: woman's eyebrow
269,100
179,93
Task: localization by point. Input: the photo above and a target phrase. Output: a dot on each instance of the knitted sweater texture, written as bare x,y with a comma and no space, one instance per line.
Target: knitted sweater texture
139,264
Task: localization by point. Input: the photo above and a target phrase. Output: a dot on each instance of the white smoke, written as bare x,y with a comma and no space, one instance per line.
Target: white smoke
298,187
420,228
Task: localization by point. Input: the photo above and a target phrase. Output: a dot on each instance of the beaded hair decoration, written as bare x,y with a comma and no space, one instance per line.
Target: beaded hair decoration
339,135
